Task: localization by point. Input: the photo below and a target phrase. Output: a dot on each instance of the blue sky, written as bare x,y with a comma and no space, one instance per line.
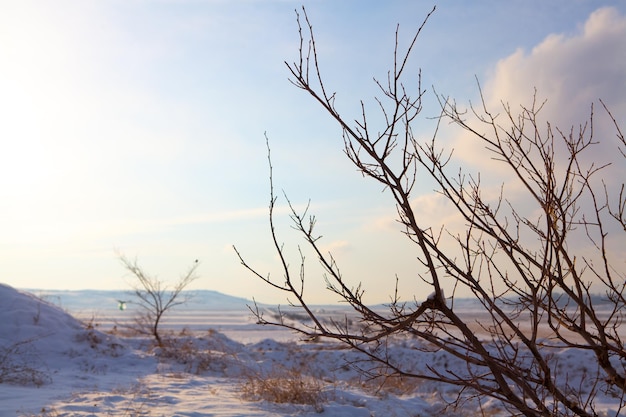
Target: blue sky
138,127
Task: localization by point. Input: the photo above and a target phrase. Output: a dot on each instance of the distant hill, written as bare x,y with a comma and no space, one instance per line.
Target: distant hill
82,300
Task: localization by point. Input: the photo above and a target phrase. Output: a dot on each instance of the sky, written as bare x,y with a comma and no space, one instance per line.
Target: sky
138,128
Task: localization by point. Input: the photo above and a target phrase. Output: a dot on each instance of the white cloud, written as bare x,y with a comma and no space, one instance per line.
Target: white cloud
570,72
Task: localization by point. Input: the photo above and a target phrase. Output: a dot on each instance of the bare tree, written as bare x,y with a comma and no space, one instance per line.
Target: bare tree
154,297
540,291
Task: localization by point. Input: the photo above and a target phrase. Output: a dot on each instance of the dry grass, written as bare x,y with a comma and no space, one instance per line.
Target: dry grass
285,385
185,351
98,340
392,384
137,397
20,365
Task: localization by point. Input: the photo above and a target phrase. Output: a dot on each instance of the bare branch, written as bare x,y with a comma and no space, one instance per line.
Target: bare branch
523,262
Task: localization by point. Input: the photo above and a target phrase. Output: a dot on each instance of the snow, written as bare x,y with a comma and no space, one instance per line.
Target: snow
72,357
433,295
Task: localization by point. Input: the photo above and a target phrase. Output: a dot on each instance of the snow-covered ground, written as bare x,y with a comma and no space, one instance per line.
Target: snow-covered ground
69,354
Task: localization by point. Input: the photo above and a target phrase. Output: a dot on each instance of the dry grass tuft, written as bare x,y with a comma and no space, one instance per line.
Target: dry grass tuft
185,351
20,363
391,384
283,385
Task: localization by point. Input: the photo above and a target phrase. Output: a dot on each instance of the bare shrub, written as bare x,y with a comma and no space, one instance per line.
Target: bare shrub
548,274
155,298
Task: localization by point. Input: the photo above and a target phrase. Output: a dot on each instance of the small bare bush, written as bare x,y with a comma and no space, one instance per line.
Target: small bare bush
154,297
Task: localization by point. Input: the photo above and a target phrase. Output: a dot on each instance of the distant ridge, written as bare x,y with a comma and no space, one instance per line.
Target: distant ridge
81,300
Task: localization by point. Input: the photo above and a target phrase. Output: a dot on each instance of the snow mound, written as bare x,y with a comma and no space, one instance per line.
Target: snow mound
28,318
37,338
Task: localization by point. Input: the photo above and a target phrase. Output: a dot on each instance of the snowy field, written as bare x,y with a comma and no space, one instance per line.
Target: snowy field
70,354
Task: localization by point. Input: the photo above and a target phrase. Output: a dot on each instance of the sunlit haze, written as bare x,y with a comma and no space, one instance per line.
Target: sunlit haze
138,127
